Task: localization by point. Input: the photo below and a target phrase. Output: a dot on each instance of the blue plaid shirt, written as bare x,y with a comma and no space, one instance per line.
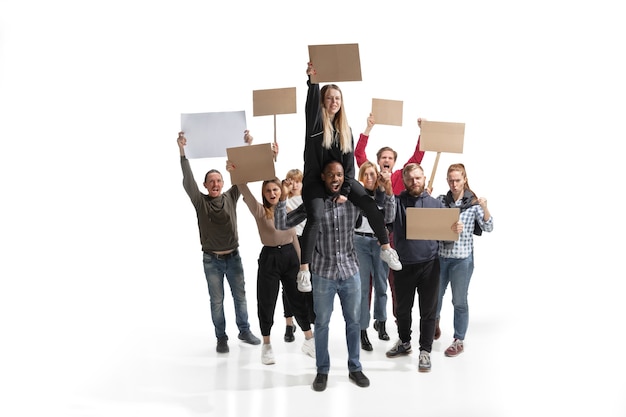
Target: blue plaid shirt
334,256
463,247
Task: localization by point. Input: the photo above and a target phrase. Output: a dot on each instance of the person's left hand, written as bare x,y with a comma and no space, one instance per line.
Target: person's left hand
230,167
483,203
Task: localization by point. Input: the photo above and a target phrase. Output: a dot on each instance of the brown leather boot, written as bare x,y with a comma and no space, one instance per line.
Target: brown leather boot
437,330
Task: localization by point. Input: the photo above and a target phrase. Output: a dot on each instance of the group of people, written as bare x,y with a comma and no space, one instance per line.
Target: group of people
328,233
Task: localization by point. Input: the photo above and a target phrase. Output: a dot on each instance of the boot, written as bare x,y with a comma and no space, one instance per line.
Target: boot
289,330
365,341
437,330
380,327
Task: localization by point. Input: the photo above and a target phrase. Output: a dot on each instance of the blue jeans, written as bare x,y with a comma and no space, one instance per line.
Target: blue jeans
458,273
214,270
349,291
370,265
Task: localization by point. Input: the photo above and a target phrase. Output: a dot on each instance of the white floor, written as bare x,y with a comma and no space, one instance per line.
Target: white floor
171,369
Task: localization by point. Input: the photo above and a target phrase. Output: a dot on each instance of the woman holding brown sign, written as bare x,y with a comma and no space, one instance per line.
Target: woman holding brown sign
456,259
329,137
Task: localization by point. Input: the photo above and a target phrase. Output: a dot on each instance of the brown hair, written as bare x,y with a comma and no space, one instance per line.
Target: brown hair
461,168
269,209
386,148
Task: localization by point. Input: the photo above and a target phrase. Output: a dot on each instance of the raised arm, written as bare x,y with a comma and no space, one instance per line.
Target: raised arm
284,220
417,154
312,108
359,150
189,183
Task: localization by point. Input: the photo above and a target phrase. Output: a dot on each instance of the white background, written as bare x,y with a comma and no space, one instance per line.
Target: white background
99,241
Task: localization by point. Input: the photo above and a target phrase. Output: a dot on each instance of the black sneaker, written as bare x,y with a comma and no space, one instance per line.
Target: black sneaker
359,378
399,349
248,337
319,384
222,345
289,333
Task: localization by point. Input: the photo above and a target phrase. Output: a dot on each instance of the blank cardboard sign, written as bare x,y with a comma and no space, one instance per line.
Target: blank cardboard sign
442,136
252,163
334,63
274,101
387,112
431,223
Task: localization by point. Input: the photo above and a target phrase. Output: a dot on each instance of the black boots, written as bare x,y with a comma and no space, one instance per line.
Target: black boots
379,326
365,341
289,330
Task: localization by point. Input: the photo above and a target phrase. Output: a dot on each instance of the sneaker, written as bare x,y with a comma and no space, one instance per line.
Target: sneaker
304,281
267,355
289,333
455,349
400,348
359,378
390,256
222,345
248,337
320,382
308,347
424,362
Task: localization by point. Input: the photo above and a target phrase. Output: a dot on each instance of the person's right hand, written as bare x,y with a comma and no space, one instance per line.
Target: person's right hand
371,121
287,186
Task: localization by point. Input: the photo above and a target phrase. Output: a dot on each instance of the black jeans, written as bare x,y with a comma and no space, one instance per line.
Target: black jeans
423,278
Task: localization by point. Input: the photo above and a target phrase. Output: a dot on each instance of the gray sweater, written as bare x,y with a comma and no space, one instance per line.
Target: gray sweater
217,217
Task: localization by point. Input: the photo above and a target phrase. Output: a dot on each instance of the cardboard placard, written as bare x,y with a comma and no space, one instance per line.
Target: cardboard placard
252,163
387,112
431,223
209,134
334,63
442,136
274,101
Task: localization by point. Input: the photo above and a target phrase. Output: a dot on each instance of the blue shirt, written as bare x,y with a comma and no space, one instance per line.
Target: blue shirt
464,246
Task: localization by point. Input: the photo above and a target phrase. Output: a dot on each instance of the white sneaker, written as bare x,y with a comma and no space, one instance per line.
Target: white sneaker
267,355
308,347
390,256
304,281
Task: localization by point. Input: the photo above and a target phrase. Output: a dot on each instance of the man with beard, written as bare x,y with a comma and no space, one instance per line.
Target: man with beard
420,270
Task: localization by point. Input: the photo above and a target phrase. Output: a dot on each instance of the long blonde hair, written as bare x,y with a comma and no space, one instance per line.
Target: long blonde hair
340,123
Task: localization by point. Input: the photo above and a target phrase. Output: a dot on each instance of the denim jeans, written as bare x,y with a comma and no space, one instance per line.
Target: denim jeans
370,265
214,270
458,273
349,291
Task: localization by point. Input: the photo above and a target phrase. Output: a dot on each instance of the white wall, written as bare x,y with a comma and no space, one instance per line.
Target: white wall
99,240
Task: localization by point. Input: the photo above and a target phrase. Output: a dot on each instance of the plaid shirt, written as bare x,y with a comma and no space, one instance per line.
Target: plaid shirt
465,245
334,256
